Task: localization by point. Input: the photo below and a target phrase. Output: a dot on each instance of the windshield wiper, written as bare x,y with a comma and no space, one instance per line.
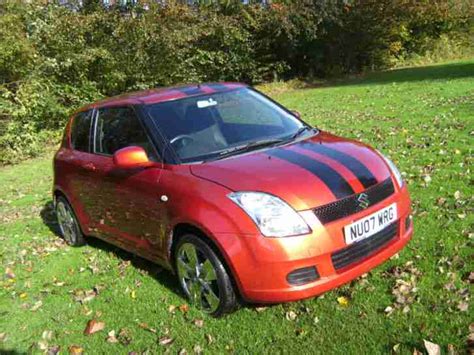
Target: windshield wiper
245,148
299,132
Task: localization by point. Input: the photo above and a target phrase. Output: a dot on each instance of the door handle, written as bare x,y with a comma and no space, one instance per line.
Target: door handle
90,167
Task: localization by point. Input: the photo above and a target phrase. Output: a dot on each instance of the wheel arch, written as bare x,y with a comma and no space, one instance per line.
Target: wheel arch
183,228
58,192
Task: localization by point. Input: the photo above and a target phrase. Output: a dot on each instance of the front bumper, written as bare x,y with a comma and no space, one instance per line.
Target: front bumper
261,265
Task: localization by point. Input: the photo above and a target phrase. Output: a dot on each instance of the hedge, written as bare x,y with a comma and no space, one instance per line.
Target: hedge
55,58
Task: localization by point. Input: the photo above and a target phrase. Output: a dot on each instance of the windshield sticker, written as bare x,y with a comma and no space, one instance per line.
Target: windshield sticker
206,103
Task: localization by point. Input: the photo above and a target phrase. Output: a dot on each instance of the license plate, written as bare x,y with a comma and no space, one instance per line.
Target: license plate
368,226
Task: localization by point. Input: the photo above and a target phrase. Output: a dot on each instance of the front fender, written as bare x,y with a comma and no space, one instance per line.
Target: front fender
204,205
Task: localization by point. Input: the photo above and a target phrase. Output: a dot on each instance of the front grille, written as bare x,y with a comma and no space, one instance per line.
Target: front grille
350,205
302,276
364,248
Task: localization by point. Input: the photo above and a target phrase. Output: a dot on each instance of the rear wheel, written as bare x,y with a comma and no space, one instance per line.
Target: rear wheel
203,276
68,225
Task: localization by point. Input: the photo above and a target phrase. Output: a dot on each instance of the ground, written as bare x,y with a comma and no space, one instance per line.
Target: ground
423,118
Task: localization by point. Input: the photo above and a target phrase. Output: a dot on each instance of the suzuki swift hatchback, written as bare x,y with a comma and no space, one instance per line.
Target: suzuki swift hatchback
230,190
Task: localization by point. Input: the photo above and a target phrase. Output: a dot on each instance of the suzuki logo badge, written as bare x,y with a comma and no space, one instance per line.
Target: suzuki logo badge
363,200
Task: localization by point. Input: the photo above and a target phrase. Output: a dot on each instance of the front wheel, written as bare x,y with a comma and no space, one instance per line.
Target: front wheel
203,276
68,225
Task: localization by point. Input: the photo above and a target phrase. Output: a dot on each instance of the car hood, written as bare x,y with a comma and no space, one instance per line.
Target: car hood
306,174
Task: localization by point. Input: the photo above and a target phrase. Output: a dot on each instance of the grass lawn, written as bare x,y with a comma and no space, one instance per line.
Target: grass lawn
421,117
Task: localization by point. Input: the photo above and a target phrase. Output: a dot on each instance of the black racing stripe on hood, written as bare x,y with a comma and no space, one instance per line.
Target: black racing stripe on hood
191,90
333,180
362,173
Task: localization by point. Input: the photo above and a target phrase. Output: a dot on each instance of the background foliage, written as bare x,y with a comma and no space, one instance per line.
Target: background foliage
420,117
55,58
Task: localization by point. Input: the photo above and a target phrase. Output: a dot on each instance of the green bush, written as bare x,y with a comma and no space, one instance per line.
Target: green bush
55,58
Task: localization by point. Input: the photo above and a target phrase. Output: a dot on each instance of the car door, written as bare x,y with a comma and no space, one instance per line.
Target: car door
127,211
77,167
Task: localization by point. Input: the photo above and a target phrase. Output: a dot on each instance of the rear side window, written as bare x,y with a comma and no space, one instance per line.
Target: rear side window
80,131
118,128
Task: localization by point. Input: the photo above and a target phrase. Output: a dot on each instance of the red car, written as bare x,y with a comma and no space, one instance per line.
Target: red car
230,190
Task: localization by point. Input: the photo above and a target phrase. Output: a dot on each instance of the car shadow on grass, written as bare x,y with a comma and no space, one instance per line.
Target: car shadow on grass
163,276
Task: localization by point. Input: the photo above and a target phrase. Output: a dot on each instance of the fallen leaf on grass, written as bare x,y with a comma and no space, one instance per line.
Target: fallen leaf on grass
47,335
343,301
53,350
3,337
111,338
86,311
463,306
9,274
260,309
75,350
300,332
124,337
83,296
123,265
388,310
165,340
197,349
432,348
470,337
451,349
470,278
290,315
405,290
58,283
184,308
42,345
199,323
147,327
171,308
209,339
93,326
36,306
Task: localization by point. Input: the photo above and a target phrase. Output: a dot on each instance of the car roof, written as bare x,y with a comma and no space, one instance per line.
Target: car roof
153,96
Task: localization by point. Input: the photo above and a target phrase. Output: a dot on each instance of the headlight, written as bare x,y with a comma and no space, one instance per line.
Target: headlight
273,216
394,169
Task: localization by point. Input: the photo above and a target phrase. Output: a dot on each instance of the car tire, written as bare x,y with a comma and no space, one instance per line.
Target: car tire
68,224
203,276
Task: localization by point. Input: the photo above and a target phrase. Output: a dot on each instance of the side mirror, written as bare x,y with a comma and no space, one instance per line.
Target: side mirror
131,157
296,113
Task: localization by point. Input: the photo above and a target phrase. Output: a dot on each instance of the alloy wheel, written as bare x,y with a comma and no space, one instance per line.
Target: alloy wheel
198,277
66,221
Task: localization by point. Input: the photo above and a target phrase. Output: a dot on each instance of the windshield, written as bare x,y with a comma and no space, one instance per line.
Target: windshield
206,126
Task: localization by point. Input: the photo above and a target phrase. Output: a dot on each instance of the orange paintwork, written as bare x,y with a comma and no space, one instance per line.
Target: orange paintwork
131,157
125,207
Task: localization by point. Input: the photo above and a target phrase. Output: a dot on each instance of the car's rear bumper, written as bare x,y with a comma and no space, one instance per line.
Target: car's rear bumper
261,265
